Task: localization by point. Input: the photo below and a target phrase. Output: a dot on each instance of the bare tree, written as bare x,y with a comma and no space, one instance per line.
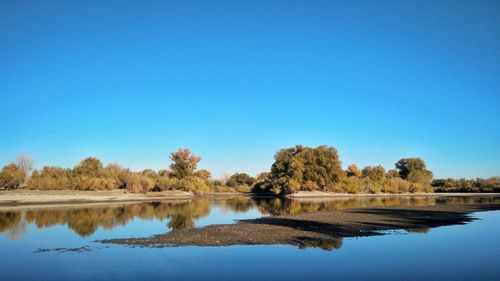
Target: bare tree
25,162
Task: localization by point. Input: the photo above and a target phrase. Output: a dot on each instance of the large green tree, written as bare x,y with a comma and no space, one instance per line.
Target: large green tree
414,171
406,165
305,168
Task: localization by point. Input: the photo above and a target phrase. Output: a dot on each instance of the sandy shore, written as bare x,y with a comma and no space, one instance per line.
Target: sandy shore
324,229
39,197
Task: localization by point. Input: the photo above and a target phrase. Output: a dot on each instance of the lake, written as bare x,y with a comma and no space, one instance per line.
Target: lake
63,243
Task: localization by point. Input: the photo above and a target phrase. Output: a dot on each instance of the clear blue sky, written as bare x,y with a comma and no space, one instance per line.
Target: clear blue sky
131,81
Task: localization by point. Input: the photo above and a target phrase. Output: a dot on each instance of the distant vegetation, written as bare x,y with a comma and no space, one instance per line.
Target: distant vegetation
319,169
467,185
295,169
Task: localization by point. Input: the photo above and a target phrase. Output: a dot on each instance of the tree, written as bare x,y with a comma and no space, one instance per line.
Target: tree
25,162
240,179
407,165
12,176
89,166
307,168
376,173
203,174
420,176
353,171
184,163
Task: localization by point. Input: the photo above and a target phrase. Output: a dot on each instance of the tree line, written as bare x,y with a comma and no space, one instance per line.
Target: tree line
295,169
467,185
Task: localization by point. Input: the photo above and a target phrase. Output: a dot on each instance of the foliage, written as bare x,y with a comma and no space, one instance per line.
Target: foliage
300,167
467,185
239,179
376,173
203,174
407,165
295,169
183,163
353,171
12,176
91,167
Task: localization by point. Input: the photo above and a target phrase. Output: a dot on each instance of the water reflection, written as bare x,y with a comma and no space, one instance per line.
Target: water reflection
85,220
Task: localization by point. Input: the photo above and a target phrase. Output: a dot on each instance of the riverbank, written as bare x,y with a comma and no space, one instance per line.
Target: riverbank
40,197
316,229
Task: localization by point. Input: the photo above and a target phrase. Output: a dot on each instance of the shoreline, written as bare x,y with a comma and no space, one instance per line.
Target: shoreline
64,197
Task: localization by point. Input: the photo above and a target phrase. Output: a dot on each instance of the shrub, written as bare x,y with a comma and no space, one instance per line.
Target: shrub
396,185
12,176
240,179
138,183
296,166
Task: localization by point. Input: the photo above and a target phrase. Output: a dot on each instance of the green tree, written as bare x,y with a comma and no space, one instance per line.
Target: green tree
240,179
183,163
305,168
406,165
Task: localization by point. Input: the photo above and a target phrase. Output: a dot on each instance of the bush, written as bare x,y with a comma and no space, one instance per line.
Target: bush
50,178
243,188
351,184
396,185
299,167
192,184
138,183
12,176
240,179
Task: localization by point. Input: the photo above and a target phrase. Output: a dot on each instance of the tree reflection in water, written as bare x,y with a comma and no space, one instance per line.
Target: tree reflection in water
85,220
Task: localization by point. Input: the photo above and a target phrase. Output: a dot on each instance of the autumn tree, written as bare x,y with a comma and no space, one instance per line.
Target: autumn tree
183,163
89,166
203,174
353,171
374,173
12,176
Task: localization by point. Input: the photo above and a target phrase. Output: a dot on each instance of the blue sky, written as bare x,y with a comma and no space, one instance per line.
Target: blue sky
131,81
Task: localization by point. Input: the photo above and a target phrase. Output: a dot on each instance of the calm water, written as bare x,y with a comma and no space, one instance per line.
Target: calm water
58,243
